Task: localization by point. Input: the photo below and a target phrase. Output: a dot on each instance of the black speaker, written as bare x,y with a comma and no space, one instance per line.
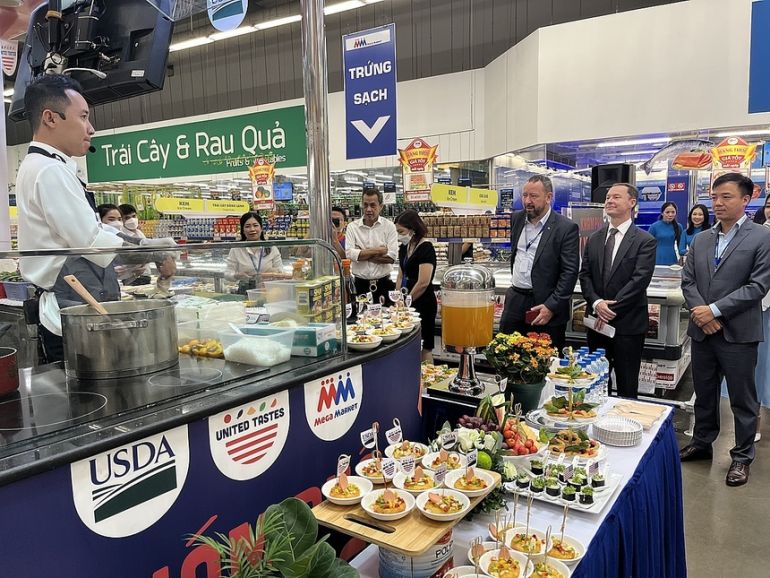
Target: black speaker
604,176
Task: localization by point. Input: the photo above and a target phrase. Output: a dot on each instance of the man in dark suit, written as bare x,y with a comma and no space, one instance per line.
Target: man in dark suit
618,263
544,265
726,275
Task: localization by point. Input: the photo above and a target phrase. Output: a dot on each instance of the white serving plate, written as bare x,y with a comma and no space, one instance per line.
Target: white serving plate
575,543
518,556
487,547
462,498
557,565
369,499
366,346
601,498
360,471
392,336
428,460
454,475
400,479
390,450
363,484
521,530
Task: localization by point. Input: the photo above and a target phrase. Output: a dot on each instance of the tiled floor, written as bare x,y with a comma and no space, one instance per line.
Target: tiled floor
727,529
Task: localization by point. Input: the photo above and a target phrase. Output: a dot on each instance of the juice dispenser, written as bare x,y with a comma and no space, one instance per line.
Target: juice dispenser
467,316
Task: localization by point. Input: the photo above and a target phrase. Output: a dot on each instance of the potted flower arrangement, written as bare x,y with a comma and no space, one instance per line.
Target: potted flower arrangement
525,360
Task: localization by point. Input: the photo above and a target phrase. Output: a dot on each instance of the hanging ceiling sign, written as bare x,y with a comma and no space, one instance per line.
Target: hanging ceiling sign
733,153
370,92
227,14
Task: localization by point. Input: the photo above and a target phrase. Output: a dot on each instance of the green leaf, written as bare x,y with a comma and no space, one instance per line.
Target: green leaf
341,569
297,521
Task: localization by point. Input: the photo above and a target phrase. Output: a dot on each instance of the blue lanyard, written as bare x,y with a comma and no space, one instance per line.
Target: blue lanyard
257,267
529,243
717,254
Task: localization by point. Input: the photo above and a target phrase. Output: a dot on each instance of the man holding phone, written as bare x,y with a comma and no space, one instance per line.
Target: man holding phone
544,265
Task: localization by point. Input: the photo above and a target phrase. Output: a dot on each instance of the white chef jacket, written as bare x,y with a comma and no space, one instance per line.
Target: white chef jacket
359,236
253,260
54,214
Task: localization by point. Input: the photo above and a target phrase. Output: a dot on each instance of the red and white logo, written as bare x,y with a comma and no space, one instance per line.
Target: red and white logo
246,440
332,402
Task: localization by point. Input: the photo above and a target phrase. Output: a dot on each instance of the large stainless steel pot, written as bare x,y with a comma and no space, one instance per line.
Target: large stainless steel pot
137,337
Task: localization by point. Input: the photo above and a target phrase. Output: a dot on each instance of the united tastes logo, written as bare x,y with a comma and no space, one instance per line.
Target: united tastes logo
123,491
332,403
245,441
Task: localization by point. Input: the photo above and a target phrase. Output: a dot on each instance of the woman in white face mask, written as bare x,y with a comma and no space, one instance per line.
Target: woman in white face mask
417,265
133,274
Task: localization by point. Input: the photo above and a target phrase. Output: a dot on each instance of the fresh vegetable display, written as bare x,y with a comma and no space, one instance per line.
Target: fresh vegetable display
574,408
570,443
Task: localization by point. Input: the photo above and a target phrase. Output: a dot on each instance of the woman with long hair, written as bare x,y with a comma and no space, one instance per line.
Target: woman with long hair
762,216
417,265
668,234
697,222
245,265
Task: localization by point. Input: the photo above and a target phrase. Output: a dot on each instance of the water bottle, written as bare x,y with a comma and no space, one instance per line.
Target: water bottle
605,378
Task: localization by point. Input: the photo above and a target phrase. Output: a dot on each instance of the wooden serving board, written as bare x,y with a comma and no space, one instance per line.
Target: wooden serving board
414,534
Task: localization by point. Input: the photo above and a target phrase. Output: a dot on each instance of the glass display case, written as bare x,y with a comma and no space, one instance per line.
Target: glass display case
233,315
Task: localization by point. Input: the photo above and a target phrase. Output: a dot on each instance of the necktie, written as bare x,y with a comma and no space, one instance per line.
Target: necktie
609,247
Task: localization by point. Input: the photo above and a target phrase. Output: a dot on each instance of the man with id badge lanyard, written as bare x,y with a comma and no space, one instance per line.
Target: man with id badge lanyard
725,277
544,266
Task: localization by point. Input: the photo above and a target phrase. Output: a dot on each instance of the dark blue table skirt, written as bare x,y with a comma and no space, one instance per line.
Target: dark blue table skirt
643,534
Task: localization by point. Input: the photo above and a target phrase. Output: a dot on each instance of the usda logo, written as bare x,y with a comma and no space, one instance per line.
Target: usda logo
123,491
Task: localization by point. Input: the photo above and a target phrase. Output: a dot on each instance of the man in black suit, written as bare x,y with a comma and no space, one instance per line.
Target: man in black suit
544,265
726,275
618,263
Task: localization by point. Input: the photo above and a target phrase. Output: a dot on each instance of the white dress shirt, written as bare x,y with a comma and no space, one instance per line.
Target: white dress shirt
622,231
359,236
54,214
252,261
526,247
723,240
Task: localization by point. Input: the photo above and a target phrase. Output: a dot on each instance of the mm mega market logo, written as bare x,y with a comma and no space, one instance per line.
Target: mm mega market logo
123,491
332,402
246,440
367,40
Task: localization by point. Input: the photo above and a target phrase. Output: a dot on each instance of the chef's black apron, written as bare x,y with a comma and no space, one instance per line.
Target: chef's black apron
101,282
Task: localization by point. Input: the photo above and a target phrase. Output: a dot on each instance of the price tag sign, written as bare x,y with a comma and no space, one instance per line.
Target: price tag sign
471,458
369,438
448,440
440,473
375,309
389,468
342,464
370,297
408,300
407,464
394,296
394,434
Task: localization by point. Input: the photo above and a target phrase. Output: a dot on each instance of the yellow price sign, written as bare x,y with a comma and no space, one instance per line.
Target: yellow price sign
180,206
229,207
483,198
443,194
13,212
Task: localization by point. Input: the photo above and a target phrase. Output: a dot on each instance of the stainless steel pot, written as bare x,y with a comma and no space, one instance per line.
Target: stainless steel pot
135,338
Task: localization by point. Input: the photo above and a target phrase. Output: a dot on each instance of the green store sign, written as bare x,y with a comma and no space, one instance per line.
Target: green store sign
223,145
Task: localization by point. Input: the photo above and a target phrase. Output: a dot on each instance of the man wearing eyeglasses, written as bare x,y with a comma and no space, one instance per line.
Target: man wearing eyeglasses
55,210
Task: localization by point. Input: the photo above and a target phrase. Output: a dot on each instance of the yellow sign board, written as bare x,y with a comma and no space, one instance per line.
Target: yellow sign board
463,197
229,207
13,212
180,206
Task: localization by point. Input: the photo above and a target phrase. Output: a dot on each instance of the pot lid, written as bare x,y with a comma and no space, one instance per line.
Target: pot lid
468,277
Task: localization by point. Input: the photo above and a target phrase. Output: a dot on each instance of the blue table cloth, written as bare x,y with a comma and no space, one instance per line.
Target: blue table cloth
643,534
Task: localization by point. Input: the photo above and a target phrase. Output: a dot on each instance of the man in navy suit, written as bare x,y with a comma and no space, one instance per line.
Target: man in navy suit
618,263
544,265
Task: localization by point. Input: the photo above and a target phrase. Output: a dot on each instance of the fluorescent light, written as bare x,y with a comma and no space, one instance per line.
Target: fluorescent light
233,33
277,22
632,153
343,7
742,133
628,143
359,173
372,1
381,176
192,43
8,92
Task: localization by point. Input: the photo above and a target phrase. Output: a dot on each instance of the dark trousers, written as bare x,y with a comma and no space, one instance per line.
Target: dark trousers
383,286
52,344
516,306
712,359
624,352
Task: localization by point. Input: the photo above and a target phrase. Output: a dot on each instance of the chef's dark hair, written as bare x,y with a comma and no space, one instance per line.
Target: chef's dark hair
677,228
106,208
410,219
745,184
48,92
252,215
127,209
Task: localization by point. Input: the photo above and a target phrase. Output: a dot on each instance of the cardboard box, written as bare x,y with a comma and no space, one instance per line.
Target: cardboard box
315,339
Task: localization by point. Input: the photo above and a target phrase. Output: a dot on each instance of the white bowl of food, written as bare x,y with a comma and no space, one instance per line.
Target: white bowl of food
443,505
492,564
487,547
388,334
347,492
571,551
532,542
413,484
388,505
371,469
453,460
364,342
406,448
404,326
552,569
472,482
461,572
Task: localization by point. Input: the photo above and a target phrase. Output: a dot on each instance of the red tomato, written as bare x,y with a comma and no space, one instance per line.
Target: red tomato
529,443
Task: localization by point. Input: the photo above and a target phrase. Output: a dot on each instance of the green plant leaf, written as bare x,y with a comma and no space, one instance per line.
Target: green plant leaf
341,569
295,519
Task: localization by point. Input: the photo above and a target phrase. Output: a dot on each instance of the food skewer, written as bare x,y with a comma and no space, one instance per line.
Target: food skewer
530,499
477,550
515,507
547,540
564,521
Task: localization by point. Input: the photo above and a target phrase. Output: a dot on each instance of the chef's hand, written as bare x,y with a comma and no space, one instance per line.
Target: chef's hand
544,315
712,327
603,311
701,315
167,267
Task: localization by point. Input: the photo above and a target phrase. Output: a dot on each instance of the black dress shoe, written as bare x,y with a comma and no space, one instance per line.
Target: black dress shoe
738,474
693,453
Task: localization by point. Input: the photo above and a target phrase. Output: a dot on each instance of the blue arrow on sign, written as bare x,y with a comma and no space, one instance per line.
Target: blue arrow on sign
370,92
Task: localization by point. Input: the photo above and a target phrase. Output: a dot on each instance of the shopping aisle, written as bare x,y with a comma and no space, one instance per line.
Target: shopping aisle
724,526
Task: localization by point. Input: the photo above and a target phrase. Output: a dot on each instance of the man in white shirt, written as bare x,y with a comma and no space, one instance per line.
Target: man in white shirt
54,210
618,264
371,243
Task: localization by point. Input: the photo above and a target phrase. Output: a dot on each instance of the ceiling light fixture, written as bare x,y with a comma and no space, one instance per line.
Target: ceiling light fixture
232,33
343,7
192,43
633,142
757,132
278,22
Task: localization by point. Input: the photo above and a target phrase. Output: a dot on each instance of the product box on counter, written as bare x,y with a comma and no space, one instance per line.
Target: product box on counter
314,339
313,297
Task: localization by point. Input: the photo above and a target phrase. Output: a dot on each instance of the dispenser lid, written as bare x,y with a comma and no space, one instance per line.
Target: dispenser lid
468,277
